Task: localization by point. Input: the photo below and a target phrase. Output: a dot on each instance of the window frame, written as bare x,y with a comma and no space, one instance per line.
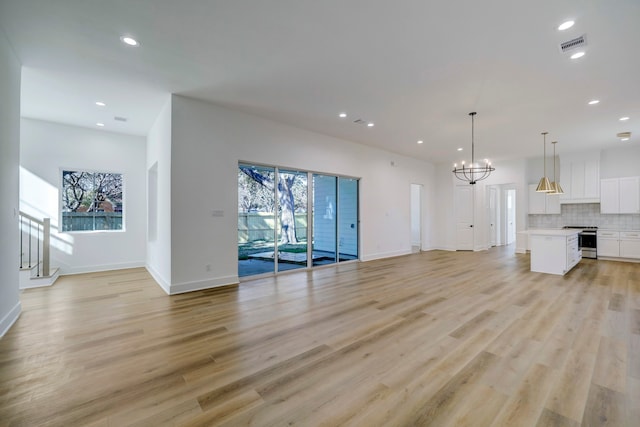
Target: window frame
61,189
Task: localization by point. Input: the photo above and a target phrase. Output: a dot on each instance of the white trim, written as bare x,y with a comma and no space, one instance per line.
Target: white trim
166,286
442,248
27,281
95,268
382,255
11,317
197,285
611,258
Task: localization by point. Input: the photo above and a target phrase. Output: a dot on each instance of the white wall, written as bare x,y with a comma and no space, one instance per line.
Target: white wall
159,158
207,143
9,164
508,173
47,147
445,231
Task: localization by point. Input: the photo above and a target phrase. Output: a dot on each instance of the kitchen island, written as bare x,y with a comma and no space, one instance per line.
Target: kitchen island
554,251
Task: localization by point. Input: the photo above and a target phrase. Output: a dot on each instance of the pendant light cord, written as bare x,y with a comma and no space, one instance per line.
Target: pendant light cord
544,152
472,139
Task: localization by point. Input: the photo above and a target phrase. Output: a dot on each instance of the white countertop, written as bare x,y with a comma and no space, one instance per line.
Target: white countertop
553,232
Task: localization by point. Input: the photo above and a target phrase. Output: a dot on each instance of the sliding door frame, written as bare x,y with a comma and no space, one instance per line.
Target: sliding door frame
310,212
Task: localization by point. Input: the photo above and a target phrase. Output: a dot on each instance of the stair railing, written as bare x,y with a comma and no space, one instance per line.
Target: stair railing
35,231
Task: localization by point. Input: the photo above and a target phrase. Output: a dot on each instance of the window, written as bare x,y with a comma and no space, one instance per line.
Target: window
91,201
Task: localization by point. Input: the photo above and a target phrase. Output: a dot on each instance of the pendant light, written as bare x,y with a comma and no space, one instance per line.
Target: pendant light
473,172
544,186
555,185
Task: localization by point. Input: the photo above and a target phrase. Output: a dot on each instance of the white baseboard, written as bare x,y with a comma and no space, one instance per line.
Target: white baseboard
10,318
166,286
27,281
382,255
180,288
443,248
66,270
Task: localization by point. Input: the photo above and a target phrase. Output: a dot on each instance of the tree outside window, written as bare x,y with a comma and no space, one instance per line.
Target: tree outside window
91,201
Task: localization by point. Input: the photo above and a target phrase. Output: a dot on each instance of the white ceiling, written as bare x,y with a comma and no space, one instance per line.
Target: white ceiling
414,67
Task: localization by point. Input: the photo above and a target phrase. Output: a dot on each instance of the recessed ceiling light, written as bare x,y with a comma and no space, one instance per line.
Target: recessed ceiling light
577,55
100,104
622,119
130,41
594,101
460,149
370,124
421,142
342,115
100,124
566,25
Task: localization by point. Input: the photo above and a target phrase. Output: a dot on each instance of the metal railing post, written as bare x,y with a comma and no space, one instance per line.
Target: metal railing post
46,235
29,243
21,244
38,253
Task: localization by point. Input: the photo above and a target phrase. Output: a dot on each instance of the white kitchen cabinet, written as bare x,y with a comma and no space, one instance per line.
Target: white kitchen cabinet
620,195
580,180
542,203
554,251
609,196
630,195
630,244
608,243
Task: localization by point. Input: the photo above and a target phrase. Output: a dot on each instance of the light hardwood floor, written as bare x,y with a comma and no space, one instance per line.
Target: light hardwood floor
436,338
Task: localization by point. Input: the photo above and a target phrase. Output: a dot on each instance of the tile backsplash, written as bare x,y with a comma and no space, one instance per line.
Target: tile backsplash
586,214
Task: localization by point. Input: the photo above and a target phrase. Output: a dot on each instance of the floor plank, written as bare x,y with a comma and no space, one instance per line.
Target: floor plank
434,338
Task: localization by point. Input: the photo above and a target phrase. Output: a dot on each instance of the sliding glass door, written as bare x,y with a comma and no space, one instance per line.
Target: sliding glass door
324,219
279,210
347,219
292,220
256,220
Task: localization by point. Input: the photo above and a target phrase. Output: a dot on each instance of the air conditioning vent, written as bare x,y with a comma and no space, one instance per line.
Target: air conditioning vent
572,44
360,122
120,119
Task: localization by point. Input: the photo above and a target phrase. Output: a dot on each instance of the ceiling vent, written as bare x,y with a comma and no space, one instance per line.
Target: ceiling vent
572,44
120,119
624,135
360,122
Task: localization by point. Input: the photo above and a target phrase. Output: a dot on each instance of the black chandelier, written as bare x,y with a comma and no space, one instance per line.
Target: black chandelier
473,172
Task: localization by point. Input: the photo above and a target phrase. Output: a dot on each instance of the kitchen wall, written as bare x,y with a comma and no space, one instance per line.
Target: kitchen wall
587,214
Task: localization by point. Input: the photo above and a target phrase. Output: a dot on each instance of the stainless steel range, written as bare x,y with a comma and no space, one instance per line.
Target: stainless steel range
588,240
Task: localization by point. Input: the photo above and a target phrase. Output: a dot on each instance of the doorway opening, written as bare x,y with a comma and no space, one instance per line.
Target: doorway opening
501,218
416,218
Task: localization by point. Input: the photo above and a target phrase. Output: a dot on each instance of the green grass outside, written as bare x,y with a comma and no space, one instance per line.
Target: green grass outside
257,246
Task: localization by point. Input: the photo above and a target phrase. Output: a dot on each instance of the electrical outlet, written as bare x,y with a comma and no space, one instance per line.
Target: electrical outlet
207,267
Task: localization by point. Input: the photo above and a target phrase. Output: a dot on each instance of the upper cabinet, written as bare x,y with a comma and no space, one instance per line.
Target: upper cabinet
620,195
580,180
542,203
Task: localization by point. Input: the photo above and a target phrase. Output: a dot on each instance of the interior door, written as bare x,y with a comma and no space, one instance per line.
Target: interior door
416,218
464,217
511,216
493,216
